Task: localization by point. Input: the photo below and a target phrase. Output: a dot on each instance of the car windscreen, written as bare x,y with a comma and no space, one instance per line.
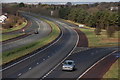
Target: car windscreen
68,63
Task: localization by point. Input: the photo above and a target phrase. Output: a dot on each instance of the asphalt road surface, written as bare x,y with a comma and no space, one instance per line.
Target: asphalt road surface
47,63
44,30
83,61
40,63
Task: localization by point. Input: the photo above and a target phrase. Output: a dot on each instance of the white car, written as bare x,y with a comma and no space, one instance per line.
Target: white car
68,65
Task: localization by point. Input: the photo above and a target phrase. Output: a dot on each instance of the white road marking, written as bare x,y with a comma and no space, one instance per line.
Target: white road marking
37,63
62,60
92,53
19,74
30,26
30,68
38,24
95,64
33,54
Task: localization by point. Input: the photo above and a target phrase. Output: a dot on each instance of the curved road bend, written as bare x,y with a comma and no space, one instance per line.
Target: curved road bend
83,61
44,30
43,61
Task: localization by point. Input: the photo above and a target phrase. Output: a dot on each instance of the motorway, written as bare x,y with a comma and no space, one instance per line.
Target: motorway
44,30
33,65
83,61
47,63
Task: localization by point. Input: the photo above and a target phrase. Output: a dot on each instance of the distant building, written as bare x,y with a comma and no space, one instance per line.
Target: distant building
3,18
113,8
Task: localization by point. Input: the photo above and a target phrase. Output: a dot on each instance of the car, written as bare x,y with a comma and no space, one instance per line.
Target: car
68,65
81,25
36,32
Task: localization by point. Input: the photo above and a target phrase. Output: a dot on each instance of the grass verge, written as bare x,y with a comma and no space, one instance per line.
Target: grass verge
113,72
101,40
15,28
19,52
6,37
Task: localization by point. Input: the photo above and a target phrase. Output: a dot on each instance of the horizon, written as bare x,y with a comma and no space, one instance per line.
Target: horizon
37,1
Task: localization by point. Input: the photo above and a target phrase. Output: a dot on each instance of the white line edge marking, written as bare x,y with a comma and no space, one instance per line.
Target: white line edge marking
34,54
38,23
63,59
19,74
30,68
95,64
37,63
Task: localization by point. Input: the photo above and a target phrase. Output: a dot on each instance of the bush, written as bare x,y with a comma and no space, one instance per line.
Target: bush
13,21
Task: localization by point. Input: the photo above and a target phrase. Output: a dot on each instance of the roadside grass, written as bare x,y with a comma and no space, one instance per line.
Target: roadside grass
78,24
100,40
114,70
6,37
15,28
19,52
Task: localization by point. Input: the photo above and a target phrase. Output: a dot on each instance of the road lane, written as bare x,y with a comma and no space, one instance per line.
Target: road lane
33,67
83,61
102,67
44,30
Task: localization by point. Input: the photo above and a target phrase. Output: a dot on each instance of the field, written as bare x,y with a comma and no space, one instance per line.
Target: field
100,40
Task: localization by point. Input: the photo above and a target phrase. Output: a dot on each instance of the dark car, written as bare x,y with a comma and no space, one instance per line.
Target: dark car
36,32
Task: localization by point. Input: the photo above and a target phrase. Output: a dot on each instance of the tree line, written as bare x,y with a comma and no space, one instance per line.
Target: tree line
100,19
96,15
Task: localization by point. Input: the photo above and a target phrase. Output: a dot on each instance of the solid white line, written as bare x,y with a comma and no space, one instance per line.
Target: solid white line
30,68
37,63
95,64
62,60
29,27
33,54
19,74
38,24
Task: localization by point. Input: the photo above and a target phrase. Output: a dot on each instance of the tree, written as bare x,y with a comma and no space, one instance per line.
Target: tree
69,4
73,15
81,15
64,12
97,30
39,3
21,4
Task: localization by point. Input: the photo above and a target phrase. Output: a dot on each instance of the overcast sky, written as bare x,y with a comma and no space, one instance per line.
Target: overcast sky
59,0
